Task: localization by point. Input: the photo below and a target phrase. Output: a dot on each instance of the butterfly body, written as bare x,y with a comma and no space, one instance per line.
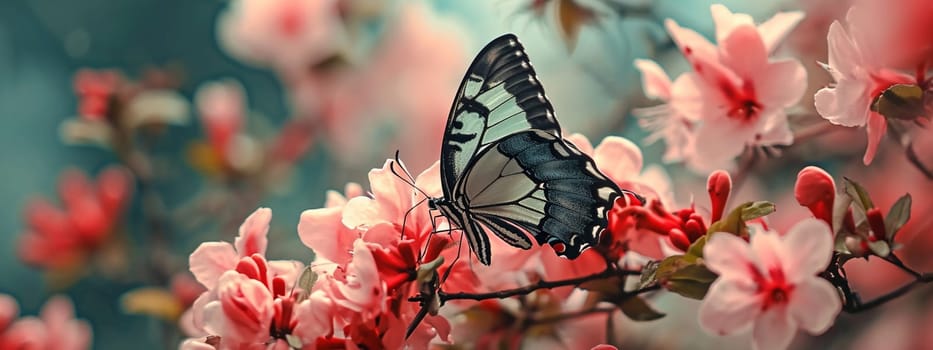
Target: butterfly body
505,168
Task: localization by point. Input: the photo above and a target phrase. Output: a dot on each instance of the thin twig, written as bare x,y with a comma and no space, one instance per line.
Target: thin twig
502,294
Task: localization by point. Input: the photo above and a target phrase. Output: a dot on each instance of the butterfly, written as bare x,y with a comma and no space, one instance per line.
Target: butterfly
506,169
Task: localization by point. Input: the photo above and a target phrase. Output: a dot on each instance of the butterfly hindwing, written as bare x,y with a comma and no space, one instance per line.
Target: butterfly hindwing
558,197
499,95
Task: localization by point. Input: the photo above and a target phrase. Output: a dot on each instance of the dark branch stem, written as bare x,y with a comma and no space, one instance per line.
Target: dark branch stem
859,307
502,294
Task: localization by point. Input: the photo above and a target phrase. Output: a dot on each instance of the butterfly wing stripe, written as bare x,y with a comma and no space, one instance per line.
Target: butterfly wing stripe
479,241
508,232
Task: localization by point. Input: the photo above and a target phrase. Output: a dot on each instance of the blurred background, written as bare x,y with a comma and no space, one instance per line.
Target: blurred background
215,108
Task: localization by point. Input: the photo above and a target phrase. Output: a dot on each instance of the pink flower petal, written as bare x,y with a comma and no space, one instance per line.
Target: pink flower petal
195,344
618,158
776,131
581,142
362,212
654,80
245,309
726,21
877,126
69,333
211,260
323,232
363,289
781,84
730,306
774,330
252,238
315,318
744,52
694,46
844,56
809,247
845,104
728,255
9,308
815,304
774,30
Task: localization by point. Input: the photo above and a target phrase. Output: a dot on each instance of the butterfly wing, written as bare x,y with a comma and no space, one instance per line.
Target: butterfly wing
499,95
535,182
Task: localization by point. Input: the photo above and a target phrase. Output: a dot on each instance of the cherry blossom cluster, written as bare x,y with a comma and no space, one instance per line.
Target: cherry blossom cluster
377,268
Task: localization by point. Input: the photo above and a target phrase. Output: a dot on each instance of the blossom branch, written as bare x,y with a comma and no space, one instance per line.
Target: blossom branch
502,294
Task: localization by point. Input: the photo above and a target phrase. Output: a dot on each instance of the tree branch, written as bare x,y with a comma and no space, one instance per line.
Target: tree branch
502,294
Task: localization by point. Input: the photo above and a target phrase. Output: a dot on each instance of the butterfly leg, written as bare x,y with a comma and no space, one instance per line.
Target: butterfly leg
405,218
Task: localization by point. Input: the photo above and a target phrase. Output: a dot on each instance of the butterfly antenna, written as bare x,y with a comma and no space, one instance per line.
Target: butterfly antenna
408,179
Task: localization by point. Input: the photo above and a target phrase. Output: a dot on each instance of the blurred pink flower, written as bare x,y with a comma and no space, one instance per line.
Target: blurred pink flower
736,95
770,285
95,91
860,77
289,35
395,98
59,238
662,121
222,107
54,329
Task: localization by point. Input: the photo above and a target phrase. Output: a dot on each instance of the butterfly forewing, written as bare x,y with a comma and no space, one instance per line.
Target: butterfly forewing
499,95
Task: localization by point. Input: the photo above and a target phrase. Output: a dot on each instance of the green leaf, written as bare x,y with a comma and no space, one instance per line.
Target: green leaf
897,216
293,341
305,281
880,248
638,310
426,271
757,209
695,250
858,194
608,286
900,101
840,209
649,275
692,281
732,223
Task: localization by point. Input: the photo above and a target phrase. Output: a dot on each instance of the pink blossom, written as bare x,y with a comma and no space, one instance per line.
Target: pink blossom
222,108
212,259
816,190
95,90
860,77
368,252
736,95
54,329
405,83
242,288
662,121
770,285
290,35
59,238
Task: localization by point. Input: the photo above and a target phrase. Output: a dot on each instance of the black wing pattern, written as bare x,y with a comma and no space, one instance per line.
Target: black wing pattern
535,182
499,95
